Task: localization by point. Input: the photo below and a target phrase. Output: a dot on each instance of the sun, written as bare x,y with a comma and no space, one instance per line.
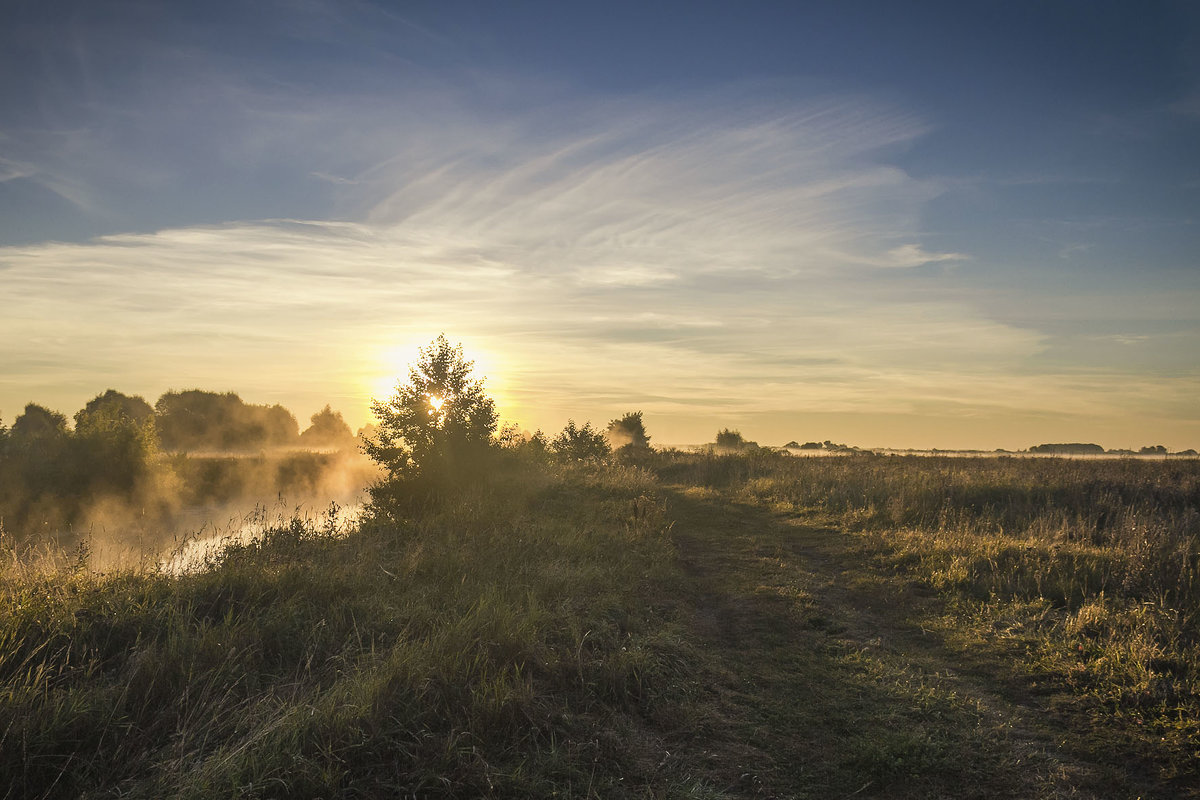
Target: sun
390,365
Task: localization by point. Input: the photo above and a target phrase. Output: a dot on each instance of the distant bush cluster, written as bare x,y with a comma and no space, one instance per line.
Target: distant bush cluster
1090,449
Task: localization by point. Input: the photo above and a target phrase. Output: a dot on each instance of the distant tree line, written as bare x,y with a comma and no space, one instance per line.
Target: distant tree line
52,471
1089,448
436,435
1069,448
187,421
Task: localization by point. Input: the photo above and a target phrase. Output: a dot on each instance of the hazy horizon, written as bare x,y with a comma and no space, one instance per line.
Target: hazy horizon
939,226
811,435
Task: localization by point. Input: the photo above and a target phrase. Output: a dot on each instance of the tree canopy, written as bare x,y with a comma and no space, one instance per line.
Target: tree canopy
436,430
113,409
38,423
200,420
730,440
328,429
580,443
629,432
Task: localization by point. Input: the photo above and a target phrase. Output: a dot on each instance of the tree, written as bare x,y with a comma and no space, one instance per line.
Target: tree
328,429
105,410
436,431
580,444
38,454
197,420
114,443
38,424
628,432
278,425
730,440
200,420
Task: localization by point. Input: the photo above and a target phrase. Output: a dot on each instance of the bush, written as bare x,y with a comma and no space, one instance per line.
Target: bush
580,444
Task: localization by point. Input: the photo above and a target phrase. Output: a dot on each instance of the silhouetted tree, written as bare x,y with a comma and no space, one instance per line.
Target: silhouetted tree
522,447
538,444
38,467
580,444
200,420
436,431
279,425
38,424
113,443
328,429
628,432
730,440
113,406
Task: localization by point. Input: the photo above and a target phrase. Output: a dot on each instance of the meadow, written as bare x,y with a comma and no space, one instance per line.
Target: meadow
653,624
1077,581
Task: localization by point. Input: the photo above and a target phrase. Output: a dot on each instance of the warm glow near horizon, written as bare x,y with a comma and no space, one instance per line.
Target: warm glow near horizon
783,223
391,369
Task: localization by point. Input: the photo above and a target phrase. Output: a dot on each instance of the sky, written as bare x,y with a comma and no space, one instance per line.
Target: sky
927,224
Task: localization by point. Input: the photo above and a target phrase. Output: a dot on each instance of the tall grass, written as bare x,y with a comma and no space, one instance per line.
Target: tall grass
1089,570
507,644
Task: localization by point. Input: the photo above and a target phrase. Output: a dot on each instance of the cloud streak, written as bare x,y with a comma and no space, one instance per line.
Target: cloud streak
314,310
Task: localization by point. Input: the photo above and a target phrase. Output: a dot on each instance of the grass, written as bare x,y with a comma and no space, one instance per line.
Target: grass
1073,582
477,651
704,627
801,700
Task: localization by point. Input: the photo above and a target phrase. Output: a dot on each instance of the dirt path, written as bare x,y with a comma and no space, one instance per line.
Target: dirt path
824,682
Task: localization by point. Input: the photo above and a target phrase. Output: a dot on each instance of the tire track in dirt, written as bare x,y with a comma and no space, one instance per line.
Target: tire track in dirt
828,685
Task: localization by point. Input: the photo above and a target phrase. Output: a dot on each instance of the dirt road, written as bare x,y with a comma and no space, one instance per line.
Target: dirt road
826,678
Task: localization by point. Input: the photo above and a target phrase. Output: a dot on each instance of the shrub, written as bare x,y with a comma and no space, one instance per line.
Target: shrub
580,444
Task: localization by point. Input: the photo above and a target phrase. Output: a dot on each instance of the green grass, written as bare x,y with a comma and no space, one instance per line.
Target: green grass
508,645
705,627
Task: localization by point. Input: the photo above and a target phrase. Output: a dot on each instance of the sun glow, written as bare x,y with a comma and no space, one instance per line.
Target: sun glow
389,368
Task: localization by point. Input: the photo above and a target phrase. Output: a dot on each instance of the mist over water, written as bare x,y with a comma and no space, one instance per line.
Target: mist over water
131,482
192,504
202,546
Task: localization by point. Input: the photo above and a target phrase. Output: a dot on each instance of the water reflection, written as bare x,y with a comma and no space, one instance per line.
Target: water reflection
202,549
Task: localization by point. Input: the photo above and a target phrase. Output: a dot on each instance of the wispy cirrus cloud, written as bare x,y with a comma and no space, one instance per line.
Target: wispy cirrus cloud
711,256
305,312
293,309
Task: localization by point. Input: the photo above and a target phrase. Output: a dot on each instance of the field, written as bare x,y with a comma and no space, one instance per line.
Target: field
693,625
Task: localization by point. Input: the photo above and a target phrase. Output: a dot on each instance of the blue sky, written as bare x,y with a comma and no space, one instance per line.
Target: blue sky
926,224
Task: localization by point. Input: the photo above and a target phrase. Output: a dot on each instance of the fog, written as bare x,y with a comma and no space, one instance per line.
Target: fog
208,536
109,491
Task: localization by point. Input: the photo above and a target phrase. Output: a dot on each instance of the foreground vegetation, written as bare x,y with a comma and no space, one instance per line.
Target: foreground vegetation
700,626
1072,584
504,645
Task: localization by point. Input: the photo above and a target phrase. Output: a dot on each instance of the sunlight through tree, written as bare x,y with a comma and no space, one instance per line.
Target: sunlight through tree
437,430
